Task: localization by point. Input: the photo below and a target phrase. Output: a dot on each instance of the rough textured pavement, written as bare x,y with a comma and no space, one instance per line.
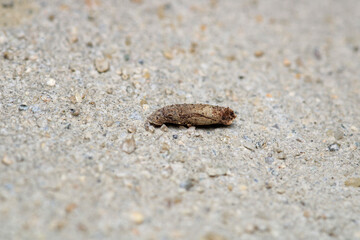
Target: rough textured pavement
79,78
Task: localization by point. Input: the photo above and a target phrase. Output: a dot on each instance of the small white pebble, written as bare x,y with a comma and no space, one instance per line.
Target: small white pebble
78,97
280,191
100,167
73,36
137,217
3,39
102,65
51,82
145,107
6,160
131,129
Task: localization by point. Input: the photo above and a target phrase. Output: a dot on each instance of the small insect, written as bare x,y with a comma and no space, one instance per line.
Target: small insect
192,115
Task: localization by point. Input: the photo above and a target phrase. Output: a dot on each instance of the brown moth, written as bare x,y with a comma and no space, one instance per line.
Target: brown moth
192,115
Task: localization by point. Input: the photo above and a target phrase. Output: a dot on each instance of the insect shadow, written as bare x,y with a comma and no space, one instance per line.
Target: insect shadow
205,127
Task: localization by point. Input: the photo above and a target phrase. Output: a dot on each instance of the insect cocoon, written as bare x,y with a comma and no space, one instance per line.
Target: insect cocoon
192,115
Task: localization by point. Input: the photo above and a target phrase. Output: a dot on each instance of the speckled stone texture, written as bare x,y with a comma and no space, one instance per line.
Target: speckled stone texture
79,78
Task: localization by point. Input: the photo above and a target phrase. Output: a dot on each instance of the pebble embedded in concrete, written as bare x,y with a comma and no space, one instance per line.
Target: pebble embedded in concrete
74,112
137,217
102,65
7,161
269,160
334,147
8,56
281,156
338,134
352,182
131,129
23,107
187,184
259,54
216,172
129,145
51,82
164,128
213,236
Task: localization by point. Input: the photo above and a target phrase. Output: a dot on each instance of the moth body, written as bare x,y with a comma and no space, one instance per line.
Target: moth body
192,115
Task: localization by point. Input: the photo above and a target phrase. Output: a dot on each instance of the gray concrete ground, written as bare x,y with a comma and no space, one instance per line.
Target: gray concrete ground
79,78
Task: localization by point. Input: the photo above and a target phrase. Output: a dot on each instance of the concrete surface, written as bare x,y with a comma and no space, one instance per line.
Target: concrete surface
79,78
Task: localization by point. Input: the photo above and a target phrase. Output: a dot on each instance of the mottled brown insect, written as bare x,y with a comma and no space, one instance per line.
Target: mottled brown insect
192,115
